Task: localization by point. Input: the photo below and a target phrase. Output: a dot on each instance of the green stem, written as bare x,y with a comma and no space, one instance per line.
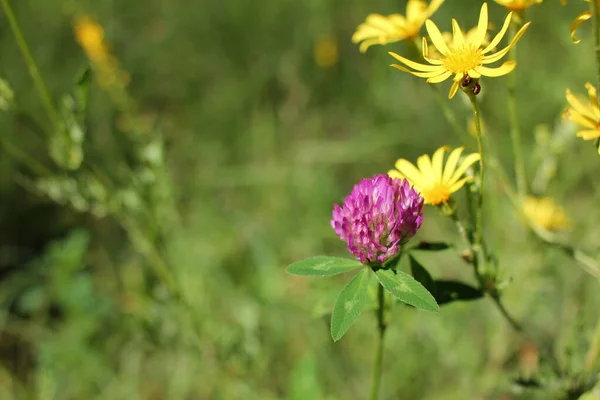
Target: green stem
377,362
21,156
515,133
32,66
479,219
595,8
462,134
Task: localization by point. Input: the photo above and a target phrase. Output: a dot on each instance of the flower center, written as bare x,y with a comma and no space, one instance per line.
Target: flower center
463,58
437,194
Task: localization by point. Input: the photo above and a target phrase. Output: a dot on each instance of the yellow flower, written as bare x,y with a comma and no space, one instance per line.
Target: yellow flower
379,29
463,57
326,52
90,36
517,5
436,182
586,114
581,18
543,213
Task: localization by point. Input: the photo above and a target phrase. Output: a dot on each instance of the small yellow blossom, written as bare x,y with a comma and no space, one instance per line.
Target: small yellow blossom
326,52
463,57
517,5
379,29
581,18
90,35
584,113
543,213
436,182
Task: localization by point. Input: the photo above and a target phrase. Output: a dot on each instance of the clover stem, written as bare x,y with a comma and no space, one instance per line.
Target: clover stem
377,362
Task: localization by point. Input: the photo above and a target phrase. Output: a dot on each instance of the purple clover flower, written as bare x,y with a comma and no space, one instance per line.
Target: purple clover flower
377,217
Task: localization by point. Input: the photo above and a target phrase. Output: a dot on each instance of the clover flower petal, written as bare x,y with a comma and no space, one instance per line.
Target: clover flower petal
377,217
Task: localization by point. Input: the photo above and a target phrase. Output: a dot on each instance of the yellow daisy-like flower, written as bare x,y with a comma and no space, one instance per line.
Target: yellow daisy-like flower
379,29
517,5
436,182
543,213
462,57
580,19
586,114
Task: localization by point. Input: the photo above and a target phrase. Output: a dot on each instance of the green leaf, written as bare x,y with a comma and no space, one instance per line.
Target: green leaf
432,246
349,304
406,289
449,291
323,266
421,275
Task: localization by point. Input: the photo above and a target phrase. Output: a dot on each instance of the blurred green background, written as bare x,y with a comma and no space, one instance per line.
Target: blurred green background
156,269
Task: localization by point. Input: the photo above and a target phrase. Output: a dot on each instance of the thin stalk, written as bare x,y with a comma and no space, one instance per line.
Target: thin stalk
595,8
515,132
377,362
32,66
479,218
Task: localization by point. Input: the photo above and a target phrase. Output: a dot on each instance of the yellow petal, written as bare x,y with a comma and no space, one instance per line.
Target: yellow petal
415,10
453,89
588,134
578,21
499,36
504,69
456,186
593,99
414,65
395,174
368,43
411,172
459,40
482,26
467,162
437,163
431,74
580,119
498,55
381,22
474,74
578,106
439,78
436,37
451,163
433,6
424,164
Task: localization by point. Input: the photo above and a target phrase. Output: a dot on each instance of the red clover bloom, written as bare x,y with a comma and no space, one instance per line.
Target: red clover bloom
378,216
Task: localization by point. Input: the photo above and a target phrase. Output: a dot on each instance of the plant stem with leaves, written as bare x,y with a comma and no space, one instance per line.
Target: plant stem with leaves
377,362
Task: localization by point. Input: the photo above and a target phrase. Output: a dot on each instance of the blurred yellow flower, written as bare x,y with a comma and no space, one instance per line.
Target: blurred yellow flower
517,5
463,57
581,18
326,52
90,35
379,29
543,213
436,182
584,113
